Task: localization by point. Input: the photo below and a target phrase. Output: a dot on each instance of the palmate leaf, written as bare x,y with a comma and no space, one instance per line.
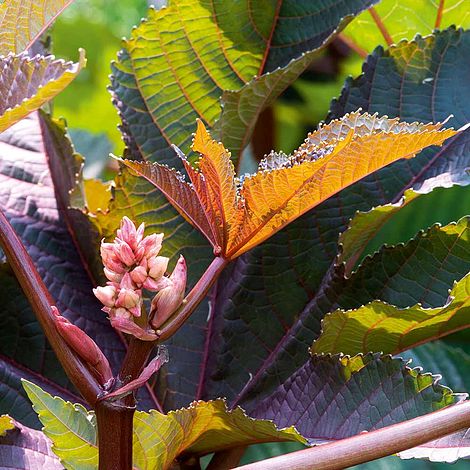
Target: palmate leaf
175,68
186,431
22,21
402,19
27,83
23,448
268,305
332,158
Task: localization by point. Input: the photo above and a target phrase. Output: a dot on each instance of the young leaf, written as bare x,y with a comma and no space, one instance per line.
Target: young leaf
179,61
23,448
27,83
71,428
403,19
382,327
331,158
22,21
6,424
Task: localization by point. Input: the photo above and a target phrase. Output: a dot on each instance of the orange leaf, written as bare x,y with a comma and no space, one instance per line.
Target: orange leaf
180,194
236,216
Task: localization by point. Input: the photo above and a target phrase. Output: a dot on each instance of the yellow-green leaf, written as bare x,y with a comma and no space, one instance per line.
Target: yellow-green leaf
202,428
6,424
22,21
28,83
70,427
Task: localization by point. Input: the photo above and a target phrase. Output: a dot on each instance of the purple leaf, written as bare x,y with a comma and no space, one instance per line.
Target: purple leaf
27,449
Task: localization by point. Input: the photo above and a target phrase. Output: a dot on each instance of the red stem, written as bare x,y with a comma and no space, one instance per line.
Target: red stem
41,302
381,26
372,445
440,10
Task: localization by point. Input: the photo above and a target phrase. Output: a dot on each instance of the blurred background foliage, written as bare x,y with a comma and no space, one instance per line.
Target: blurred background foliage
99,25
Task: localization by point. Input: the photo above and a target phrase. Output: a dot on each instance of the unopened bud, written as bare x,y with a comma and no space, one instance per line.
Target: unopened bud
155,286
125,253
157,266
128,298
106,295
166,302
129,234
152,244
138,275
84,347
113,276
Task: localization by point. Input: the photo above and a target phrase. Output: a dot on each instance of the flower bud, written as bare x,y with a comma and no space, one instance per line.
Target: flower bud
129,234
125,253
106,295
152,244
112,276
166,302
84,347
157,266
138,275
128,298
155,286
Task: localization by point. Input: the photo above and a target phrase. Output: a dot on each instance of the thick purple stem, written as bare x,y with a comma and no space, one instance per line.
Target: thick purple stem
41,302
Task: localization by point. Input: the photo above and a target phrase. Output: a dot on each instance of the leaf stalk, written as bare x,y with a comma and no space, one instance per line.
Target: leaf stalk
372,445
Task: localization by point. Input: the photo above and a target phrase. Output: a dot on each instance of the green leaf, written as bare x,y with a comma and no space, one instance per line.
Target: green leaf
22,21
365,225
6,424
201,428
71,428
382,327
28,83
402,19
178,63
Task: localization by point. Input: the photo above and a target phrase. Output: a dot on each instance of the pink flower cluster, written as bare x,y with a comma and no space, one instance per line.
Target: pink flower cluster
131,263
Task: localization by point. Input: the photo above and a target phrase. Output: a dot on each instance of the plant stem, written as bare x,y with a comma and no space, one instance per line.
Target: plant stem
114,422
41,302
372,445
193,299
114,419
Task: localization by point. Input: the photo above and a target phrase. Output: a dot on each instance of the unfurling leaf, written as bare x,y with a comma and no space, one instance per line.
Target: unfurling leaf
191,430
27,83
22,21
240,213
